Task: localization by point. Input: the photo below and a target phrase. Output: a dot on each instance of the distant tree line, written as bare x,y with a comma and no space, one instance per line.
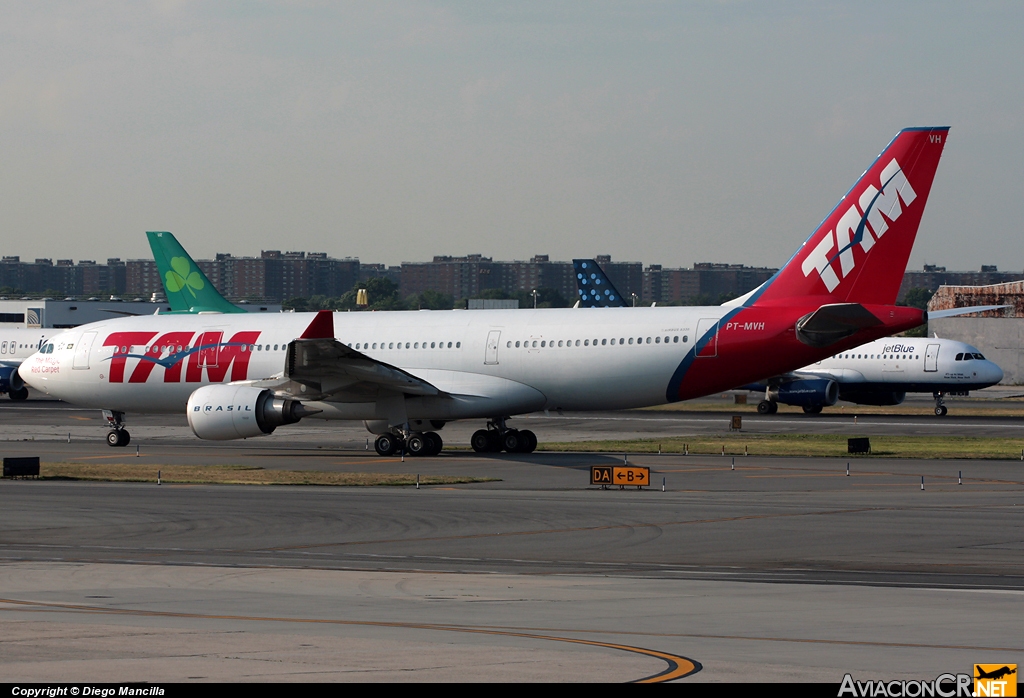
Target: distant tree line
917,298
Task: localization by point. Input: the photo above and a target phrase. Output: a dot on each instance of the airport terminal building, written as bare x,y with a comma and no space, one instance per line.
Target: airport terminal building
26,313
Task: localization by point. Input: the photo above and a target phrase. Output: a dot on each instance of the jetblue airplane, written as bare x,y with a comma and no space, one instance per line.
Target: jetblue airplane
877,373
405,374
16,345
882,373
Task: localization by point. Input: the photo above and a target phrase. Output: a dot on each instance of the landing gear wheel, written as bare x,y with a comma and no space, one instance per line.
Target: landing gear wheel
436,444
385,445
812,409
118,438
417,445
531,441
20,394
940,411
767,407
512,441
481,441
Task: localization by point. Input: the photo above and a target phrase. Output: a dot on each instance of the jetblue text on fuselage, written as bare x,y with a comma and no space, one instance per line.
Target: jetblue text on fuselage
898,349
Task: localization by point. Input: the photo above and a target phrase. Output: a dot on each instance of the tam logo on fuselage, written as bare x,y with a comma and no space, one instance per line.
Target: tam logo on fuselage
864,223
173,351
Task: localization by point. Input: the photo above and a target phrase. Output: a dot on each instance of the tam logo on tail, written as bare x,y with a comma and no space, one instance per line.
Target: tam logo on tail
859,252
875,211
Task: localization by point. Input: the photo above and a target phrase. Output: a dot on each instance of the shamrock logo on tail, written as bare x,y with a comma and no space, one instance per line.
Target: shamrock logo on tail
180,277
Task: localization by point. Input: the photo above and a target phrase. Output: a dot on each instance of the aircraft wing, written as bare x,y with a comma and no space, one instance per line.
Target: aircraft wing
319,367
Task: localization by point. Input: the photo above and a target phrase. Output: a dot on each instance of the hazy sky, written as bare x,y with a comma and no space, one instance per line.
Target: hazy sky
652,131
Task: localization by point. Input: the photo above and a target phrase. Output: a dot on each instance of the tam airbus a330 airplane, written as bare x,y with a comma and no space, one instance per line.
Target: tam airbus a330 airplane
407,373
877,373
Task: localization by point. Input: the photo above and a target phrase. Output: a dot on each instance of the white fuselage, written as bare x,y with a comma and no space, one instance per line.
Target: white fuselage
496,362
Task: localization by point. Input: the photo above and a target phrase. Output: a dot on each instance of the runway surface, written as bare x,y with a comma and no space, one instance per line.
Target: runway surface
782,569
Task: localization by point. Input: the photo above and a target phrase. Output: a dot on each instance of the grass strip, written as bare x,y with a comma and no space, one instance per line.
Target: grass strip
811,445
959,409
237,475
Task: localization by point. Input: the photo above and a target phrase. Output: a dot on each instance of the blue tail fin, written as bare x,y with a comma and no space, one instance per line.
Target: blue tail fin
593,286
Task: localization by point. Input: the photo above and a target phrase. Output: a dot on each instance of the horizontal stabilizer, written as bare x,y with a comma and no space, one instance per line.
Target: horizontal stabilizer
832,323
953,312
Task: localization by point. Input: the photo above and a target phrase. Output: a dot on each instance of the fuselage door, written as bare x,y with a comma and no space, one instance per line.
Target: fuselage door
931,357
705,325
210,346
82,350
491,352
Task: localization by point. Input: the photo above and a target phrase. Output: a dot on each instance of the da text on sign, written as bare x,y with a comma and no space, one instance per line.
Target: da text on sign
622,475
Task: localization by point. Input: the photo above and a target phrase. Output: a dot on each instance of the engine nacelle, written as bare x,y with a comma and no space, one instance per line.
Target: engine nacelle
10,381
224,412
807,393
880,398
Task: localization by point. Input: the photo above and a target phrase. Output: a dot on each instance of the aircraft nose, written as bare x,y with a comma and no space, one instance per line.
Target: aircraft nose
993,372
29,372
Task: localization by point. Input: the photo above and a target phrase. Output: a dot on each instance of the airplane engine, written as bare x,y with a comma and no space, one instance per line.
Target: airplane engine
881,398
224,412
808,393
10,381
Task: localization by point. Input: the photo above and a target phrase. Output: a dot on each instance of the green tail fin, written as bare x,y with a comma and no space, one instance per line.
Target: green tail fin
187,288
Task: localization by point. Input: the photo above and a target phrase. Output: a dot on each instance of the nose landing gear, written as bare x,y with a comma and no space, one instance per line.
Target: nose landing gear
940,409
118,436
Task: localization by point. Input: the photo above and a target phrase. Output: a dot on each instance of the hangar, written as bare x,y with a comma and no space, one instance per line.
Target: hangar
999,334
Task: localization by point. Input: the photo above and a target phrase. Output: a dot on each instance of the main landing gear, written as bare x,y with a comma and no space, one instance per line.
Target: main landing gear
416,443
498,437
940,409
767,407
118,436
19,394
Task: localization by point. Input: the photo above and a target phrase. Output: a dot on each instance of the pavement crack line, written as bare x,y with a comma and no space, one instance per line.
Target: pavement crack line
575,529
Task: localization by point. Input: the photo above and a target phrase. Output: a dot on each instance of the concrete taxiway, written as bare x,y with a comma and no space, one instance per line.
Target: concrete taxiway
779,569
50,420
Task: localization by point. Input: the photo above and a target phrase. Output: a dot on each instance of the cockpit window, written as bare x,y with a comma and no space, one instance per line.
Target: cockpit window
979,357
960,357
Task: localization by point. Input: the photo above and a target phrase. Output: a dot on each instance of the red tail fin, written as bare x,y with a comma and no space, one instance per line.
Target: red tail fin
322,326
859,252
